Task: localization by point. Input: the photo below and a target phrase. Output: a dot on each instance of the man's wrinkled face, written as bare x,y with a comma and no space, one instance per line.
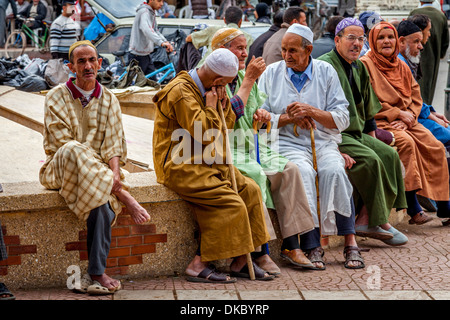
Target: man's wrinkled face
222,81
350,44
85,64
239,47
293,53
413,45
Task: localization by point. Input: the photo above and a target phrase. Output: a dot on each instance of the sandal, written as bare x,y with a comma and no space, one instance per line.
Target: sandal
352,253
316,255
84,284
210,275
260,274
266,263
5,294
420,218
98,289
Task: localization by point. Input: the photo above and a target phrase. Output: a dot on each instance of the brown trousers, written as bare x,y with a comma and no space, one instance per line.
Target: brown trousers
291,203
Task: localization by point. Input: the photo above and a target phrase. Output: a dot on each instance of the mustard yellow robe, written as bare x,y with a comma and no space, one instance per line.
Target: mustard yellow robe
230,224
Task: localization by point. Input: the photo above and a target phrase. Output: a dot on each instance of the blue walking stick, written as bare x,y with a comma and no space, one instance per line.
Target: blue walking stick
256,141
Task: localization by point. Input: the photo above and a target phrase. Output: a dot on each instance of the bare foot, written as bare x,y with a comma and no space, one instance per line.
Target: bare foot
241,261
196,266
266,263
133,208
106,281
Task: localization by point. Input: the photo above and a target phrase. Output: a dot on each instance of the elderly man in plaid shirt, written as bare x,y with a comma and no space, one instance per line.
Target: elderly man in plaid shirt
85,147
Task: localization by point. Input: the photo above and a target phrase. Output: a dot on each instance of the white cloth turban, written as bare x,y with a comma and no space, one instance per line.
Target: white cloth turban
223,62
302,31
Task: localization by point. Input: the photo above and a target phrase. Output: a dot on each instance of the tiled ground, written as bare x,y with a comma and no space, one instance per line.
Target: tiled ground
418,270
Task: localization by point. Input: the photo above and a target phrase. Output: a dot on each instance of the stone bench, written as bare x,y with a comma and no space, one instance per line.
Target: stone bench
44,238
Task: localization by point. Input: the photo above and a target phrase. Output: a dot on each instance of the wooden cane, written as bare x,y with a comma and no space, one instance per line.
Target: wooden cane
251,270
313,148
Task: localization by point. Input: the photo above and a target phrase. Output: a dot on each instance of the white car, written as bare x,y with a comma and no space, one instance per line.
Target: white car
122,13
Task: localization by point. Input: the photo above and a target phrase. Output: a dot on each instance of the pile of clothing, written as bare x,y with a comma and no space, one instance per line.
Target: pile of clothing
24,74
35,75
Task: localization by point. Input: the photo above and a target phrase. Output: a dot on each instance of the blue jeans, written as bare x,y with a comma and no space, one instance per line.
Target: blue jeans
99,238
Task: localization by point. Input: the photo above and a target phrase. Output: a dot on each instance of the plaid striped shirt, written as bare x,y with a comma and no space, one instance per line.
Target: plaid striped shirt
236,103
93,134
238,106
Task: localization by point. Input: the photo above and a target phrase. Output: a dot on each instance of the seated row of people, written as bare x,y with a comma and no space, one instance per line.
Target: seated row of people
322,169
344,100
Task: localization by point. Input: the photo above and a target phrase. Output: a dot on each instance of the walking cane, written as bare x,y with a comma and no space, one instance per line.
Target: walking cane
256,142
313,148
251,271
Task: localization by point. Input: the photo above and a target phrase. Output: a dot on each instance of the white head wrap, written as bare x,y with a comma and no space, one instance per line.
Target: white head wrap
223,62
302,31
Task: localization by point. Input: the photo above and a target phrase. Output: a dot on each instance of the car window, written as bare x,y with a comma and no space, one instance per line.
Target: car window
117,41
120,9
167,30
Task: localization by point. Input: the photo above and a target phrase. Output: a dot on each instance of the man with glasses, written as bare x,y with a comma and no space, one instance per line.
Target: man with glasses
373,167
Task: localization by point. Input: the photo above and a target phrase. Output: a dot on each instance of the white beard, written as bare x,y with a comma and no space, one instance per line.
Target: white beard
415,59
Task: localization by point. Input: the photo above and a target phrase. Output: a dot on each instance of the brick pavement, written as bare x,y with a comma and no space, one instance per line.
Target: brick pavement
417,270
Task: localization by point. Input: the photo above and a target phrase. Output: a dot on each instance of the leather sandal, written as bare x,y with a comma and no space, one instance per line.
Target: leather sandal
297,258
266,263
210,275
420,218
352,253
260,274
316,255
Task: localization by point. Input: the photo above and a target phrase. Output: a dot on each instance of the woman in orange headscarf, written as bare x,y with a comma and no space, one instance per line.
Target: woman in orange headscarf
422,155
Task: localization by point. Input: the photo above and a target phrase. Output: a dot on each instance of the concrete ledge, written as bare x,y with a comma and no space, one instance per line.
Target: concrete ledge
44,238
32,196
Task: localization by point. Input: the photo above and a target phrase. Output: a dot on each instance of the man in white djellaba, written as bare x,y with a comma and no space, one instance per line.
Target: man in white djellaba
304,92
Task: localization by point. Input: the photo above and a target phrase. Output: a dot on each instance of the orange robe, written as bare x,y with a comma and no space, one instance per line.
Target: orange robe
422,155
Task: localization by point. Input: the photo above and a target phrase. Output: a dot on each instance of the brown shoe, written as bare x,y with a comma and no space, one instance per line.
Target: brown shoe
420,218
297,258
266,263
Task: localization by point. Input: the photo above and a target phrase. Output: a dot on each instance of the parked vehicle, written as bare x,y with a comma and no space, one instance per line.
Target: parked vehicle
122,14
